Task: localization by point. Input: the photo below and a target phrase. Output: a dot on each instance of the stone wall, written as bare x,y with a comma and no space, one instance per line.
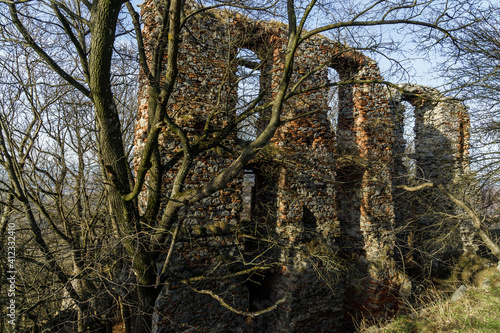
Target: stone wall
205,78
441,133
440,155
322,196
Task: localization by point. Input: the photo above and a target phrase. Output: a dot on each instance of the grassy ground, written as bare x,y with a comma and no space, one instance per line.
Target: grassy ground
477,311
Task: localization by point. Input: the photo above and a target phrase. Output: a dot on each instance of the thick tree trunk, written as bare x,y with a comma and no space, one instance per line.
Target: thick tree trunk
142,317
114,160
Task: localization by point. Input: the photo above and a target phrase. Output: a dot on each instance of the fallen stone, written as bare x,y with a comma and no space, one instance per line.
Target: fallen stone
459,293
486,284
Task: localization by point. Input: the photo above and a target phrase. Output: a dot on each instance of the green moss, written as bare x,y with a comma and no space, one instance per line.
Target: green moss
490,273
199,230
218,228
402,324
318,247
467,265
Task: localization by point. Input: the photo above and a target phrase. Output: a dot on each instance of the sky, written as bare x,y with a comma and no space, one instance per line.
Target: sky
420,71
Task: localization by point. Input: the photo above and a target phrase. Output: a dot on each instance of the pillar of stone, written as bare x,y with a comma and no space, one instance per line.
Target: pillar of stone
306,221
365,142
441,134
441,156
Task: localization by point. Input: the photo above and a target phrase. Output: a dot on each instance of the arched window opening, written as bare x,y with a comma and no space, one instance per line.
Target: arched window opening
333,98
248,74
409,136
310,224
248,195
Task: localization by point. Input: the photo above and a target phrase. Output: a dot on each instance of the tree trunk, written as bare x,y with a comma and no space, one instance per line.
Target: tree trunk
142,317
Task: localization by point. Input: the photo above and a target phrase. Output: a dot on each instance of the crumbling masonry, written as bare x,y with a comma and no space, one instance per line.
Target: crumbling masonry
322,197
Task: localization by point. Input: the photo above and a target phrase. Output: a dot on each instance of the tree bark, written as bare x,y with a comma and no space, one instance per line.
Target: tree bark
142,319
114,159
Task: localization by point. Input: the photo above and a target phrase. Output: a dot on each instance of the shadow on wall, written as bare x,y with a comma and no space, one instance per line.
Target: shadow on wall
430,237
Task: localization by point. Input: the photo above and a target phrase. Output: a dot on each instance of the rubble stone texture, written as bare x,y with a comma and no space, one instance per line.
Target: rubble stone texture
441,131
441,155
317,191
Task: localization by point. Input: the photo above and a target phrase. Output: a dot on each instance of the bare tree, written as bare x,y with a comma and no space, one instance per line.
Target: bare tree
470,70
79,41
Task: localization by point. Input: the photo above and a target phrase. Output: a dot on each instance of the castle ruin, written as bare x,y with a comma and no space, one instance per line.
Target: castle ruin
320,195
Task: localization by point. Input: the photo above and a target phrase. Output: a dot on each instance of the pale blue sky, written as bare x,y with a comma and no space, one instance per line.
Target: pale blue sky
418,70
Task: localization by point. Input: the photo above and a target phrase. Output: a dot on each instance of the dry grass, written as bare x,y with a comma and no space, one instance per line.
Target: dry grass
477,311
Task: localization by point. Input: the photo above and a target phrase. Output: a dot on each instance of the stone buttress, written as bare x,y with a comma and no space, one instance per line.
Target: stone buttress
440,155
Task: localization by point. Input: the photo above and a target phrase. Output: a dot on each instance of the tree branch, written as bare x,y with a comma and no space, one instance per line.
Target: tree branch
48,59
232,309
